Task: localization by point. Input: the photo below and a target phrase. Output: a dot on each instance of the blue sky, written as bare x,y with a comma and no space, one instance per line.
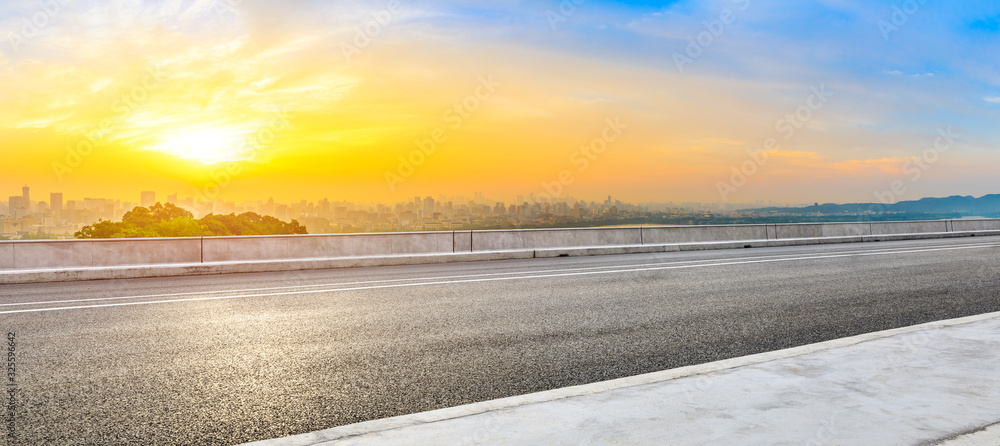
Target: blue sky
703,84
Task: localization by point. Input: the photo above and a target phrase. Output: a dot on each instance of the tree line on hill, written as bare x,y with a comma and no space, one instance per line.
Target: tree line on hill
167,220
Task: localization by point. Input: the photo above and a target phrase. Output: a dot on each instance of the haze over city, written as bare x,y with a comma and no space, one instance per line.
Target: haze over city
35,215
644,101
503,222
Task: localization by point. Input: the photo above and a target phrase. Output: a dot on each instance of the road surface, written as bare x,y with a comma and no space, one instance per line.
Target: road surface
236,358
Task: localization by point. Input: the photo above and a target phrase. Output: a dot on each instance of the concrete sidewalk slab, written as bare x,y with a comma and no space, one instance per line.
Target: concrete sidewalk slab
935,383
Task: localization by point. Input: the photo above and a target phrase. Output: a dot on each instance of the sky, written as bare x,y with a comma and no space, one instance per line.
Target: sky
648,101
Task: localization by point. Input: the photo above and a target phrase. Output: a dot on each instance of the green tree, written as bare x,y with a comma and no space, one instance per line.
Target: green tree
171,221
158,213
181,227
110,229
132,231
295,228
101,229
167,212
215,227
250,223
226,225
140,217
270,225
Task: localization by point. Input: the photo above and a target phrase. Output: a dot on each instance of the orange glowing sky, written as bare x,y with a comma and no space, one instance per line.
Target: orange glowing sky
108,98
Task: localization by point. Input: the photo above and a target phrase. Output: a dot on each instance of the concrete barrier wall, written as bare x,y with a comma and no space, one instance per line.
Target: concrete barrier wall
6,255
553,238
975,225
909,227
463,241
811,230
221,249
44,254
696,234
39,254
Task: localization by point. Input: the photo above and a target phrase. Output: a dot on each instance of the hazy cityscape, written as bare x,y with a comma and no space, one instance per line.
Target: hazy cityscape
27,216
500,223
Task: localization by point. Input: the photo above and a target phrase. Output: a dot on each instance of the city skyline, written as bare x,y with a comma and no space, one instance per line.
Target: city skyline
22,216
147,198
500,222
727,100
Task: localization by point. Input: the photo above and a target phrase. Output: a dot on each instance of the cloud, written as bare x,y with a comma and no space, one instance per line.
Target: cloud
893,165
354,118
918,75
794,155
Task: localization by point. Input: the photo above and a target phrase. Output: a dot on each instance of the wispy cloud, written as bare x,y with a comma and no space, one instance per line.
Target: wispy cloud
353,119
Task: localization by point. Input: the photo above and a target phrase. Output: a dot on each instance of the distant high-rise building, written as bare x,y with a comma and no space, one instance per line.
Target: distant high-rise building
148,199
56,203
26,197
324,208
14,204
428,206
172,199
281,212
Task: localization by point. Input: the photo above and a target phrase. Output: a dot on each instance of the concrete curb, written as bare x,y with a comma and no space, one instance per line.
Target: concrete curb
375,426
988,436
201,269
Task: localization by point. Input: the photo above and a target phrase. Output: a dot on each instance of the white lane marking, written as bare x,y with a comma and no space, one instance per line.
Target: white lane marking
494,279
412,279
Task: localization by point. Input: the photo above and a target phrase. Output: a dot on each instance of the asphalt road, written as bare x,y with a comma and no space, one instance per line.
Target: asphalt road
235,358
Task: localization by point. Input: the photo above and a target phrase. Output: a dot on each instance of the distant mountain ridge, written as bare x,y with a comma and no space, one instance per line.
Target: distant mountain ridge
985,206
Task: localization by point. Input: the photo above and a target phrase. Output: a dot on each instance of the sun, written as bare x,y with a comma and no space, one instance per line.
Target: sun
206,145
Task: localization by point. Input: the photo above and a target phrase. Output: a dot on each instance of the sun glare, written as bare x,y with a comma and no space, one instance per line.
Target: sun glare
207,146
